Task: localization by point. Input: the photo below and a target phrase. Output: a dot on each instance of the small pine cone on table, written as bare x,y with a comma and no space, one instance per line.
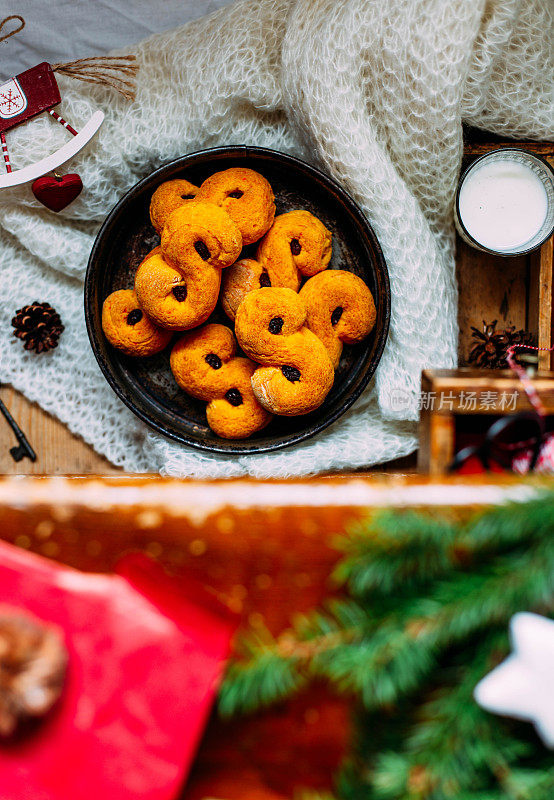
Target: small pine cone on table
33,662
38,326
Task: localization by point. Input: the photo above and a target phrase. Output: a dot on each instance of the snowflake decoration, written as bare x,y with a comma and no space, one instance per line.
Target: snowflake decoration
9,100
12,99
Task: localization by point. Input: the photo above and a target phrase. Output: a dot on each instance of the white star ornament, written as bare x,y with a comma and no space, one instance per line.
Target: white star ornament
523,686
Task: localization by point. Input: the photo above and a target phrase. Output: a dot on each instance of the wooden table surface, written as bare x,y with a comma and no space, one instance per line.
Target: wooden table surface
58,451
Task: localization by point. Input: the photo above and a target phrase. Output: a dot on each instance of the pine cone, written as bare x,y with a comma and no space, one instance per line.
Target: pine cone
39,326
489,351
33,662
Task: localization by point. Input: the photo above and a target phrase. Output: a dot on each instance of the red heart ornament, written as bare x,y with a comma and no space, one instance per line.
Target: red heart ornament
57,192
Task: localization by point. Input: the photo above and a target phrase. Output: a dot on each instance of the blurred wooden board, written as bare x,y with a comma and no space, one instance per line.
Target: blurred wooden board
266,549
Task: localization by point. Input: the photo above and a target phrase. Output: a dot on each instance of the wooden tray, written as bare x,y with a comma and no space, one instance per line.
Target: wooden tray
453,396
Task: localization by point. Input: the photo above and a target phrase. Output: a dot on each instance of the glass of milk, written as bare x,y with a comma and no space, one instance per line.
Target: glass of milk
505,202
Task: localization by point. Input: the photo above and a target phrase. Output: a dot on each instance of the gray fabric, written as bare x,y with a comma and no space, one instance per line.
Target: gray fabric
64,30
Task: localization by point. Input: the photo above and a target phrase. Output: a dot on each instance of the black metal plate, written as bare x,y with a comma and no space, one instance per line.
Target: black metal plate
146,385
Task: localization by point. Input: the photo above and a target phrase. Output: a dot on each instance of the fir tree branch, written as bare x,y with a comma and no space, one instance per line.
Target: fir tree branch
395,550
249,686
454,745
430,603
529,784
382,661
509,525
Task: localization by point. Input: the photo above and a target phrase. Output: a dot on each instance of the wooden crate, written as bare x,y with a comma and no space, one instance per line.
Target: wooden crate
267,550
447,395
515,290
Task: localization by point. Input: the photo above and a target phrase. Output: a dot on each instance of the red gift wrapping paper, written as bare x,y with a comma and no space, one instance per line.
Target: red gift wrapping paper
146,653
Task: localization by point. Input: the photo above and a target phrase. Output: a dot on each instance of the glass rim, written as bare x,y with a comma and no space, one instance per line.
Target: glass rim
461,180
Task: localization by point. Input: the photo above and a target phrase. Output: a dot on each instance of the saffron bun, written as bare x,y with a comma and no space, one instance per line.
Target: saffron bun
340,309
175,299
297,245
296,373
178,283
246,196
128,328
205,365
200,234
167,198
242,277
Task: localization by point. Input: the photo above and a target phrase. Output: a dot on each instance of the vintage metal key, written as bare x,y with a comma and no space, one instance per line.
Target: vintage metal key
23,449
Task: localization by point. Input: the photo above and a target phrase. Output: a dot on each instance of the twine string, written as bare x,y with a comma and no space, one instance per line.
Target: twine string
15,30
118,72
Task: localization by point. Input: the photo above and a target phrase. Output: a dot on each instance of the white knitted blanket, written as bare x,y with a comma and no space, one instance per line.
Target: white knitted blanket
375,93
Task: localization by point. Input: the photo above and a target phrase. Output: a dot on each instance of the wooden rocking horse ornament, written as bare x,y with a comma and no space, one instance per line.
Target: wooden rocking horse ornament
35,91
25,96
